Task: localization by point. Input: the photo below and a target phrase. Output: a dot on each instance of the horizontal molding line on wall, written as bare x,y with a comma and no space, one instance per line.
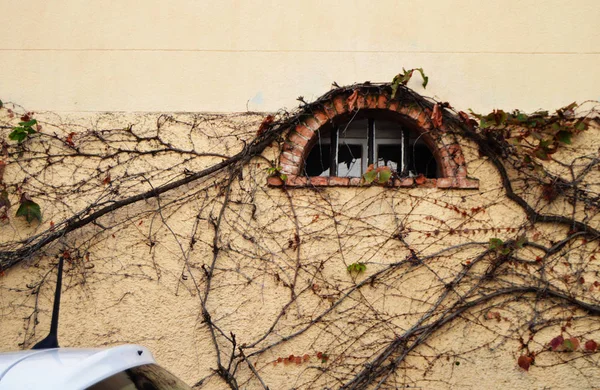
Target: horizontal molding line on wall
305,51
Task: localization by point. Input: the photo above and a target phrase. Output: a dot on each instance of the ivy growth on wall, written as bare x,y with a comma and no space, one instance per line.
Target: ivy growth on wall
365,285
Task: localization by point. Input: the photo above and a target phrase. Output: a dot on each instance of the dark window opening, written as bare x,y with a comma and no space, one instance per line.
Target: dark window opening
346,149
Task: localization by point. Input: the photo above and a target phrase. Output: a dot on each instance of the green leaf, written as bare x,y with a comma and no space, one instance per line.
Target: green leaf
580,126
30,210
425,78
571,344
356,267
541,154
496,243
370,176
384,176
28,123
18,134
521,240
564,137
522,117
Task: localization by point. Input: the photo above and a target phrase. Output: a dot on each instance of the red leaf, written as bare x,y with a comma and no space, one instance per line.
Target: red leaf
524,362
352,100
265,124
436,115
106,180
306,357
556,342
421,179
571,344
591,346
69,139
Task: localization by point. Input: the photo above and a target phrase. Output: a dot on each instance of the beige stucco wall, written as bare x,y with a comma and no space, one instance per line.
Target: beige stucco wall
224,56
139,275
142,282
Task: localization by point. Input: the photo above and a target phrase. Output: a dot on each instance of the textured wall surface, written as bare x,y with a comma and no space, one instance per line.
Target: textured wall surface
270,264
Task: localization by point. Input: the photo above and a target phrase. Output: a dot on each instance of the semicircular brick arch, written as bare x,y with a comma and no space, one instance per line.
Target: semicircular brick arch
406,106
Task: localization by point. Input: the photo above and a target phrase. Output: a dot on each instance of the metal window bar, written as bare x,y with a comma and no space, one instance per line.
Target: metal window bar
404,156
371,142
334,152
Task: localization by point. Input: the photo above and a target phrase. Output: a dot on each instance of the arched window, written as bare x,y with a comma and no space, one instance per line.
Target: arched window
345,147
333,141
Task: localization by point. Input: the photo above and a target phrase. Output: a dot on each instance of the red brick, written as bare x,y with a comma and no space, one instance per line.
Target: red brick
446,182
304,131
429,183
461,171
407,182
274,181
312,123
466,183
382,101
393,105
289,169
297,152
298,139
339,181
321,118
329,110
319,181
459,159
340,104
355,181
297,181
283,160
291,157
360,102
423,120
371,101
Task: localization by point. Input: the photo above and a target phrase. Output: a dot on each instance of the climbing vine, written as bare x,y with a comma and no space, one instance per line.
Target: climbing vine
354,288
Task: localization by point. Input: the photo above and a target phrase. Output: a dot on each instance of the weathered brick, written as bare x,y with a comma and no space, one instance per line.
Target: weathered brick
289,169
298,139
274,181
340,104
339,181
297,181
329,110
382,101
319,181
297,152
312,123
446,182
423,120
407,182
292,157
355,181
371,101
393,105
283,160
467,183
461,171
360,102
321,117
304,131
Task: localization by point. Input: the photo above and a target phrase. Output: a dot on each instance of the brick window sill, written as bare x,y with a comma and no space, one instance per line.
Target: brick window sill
409,182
